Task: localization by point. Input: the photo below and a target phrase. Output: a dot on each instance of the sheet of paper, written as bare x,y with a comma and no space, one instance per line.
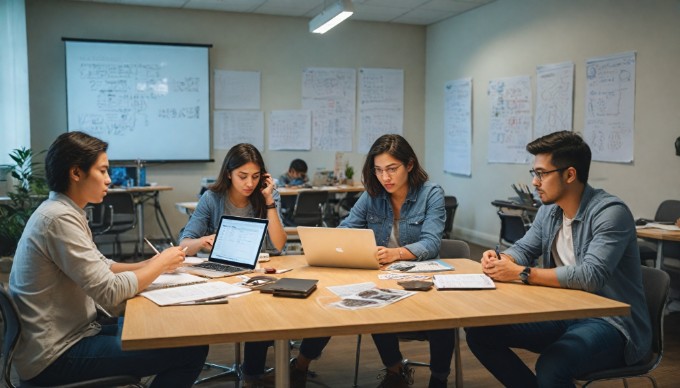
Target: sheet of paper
237,89
462,281
381,104
610,107
554,98
174,279
510,122
234,127
331,96
194,292
458,127
420,266
655,225
290,130
372,297
349,289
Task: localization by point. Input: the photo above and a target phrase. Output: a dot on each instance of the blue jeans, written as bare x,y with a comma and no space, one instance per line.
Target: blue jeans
567,349
255,354
442,343
101,355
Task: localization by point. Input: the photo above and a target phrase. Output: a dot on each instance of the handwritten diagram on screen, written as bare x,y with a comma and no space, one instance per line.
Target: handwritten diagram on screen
133,95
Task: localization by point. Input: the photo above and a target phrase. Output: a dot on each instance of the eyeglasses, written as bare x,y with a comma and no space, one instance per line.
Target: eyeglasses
541,174
389,170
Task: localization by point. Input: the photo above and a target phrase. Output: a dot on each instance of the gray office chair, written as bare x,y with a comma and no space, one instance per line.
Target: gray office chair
448,249
11,334
513,228
450,206
309,208
656,284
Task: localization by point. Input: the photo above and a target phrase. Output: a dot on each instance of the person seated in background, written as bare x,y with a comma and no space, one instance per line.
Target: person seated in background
406,213
296,175
588,242
58,276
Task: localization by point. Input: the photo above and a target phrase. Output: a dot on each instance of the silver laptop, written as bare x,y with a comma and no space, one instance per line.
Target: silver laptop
339,247
236,248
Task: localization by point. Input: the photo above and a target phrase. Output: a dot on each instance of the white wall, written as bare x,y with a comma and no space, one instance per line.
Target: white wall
510,38
279,47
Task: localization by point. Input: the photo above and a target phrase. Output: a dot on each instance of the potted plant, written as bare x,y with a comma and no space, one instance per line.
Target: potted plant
28,192
349,174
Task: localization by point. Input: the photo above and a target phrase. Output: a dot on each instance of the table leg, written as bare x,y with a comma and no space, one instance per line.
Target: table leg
139,249
458,368
659,254
282,358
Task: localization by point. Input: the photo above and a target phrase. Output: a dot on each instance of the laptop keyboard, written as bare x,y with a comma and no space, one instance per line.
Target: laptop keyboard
218,267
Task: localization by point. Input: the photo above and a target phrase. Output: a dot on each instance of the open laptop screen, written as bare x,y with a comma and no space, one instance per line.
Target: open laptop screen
238,241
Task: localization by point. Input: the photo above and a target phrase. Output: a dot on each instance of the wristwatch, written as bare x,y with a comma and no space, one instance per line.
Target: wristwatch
524,275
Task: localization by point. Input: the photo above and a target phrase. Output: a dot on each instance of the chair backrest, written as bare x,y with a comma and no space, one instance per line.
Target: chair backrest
669,211
513,228
450,206
11,333
454,249
309,207
656,284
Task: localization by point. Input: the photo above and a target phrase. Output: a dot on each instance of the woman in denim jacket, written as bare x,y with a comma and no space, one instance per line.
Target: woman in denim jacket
406,213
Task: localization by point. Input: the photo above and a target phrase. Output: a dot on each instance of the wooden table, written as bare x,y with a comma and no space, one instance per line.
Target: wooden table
660,235
259,317
141,195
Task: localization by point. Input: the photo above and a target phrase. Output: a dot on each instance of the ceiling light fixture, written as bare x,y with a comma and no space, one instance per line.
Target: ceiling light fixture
331,16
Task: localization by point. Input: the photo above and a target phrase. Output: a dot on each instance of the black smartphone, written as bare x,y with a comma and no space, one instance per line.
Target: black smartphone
263,180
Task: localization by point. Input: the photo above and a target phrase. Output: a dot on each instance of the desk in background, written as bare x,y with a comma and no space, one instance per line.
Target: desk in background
141,195
660,235
331,189
260,317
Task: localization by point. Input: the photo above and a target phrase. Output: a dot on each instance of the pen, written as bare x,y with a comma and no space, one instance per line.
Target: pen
183,249
498,254
151,245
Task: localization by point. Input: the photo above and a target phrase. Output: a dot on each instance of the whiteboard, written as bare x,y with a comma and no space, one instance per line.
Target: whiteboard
149,101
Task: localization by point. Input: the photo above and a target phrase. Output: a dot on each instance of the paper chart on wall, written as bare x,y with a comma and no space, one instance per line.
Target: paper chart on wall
331,96
234,127
554,98
510,122
458,127
381,104
237,89
290,130
610,107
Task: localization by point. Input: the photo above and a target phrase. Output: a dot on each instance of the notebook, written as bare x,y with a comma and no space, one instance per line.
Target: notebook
339,247
174,279
236,248
472,281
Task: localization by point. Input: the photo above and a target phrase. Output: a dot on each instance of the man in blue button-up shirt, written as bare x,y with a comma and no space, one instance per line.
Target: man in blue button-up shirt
588,242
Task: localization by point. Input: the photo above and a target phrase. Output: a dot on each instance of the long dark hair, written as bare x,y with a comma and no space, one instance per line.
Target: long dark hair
237,156
396,146
68,150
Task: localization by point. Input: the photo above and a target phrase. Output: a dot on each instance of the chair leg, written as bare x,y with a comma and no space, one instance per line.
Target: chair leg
356,363
227,371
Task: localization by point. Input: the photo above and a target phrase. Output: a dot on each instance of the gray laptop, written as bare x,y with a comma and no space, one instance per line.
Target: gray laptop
236,248
339,247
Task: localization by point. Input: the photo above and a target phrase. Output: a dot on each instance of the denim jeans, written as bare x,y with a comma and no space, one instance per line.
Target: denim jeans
441,350
255,354
101,355
567,349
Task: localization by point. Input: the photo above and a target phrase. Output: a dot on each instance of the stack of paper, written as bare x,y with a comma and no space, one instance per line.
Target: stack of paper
462,281
174,280
193,294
